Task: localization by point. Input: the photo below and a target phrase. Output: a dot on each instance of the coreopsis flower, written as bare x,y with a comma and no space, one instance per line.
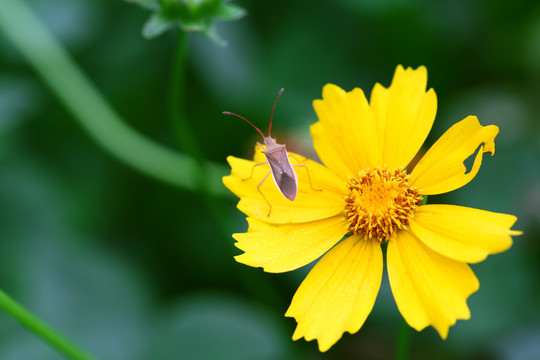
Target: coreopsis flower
363,197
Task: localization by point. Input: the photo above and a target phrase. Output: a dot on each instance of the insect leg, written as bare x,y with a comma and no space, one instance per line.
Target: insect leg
264,197
309,176
296,158
253,169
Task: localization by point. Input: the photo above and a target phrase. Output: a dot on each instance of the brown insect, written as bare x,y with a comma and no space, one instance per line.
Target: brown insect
277,157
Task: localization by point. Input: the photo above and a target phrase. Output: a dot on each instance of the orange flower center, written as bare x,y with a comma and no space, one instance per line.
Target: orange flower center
379,202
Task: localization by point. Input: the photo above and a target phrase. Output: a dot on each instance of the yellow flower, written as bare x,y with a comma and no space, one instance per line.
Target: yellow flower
364,191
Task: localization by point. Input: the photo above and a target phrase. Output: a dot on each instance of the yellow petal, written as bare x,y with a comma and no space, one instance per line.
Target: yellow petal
345,136
429,289
338,293
441,169
279,248
310,205
462,233
404,114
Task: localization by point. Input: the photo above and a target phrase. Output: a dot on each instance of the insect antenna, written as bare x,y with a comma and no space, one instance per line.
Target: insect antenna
241,117
272,114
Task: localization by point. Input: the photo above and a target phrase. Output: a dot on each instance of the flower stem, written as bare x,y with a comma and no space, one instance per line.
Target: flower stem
41,329
182,127
65,79
260,286
402,352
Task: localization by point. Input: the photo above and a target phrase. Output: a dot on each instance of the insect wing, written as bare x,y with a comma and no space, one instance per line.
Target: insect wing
283,173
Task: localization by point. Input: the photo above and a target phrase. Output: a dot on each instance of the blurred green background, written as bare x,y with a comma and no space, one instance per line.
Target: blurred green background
131,268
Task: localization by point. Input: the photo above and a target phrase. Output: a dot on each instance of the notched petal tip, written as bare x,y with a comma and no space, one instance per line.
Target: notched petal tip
404,113
489,144
429,289
442,168
332,90
338,293
345,137
418,75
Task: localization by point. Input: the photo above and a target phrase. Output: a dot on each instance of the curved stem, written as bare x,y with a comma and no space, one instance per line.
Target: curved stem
59,71
41,329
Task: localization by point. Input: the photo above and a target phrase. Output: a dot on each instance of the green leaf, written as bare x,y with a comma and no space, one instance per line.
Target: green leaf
190,15
228,12
211,34
146,4
156,25
194,25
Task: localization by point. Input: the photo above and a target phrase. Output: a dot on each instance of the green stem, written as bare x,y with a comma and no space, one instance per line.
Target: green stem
41,329
254,282
60,72
403,343
182,127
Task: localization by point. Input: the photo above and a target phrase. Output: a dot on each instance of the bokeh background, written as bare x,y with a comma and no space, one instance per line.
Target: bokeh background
131,268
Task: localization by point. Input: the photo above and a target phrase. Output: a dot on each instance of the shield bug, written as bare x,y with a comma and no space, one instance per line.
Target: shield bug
277,157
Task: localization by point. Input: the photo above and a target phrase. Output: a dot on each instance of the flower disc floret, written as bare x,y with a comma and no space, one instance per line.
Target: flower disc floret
379,202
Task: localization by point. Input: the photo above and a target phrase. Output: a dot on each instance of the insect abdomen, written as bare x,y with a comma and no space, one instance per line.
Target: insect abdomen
288,186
